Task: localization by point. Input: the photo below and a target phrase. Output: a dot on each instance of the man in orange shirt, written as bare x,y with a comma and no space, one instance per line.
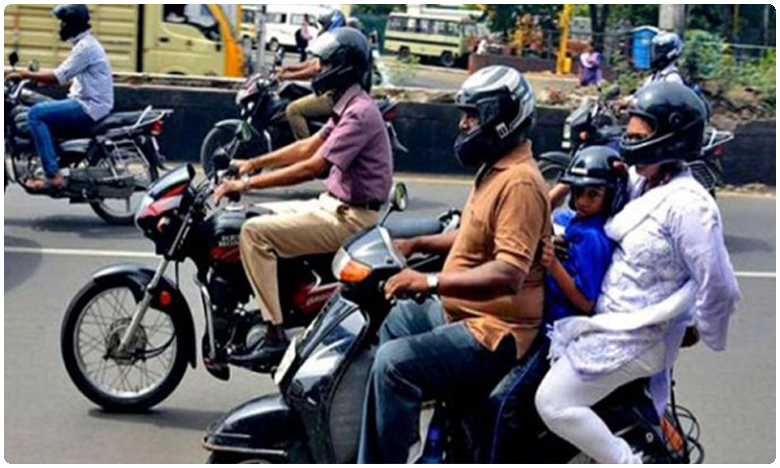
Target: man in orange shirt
491,289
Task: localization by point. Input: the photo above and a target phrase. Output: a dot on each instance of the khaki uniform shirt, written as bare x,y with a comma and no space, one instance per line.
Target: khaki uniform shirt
505,219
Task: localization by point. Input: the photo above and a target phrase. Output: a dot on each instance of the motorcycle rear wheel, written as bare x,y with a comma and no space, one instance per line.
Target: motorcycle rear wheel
109,384
121,212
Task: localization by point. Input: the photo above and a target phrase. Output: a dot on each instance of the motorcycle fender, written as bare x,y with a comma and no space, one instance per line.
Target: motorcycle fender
264,426
558,157
229,124
177,309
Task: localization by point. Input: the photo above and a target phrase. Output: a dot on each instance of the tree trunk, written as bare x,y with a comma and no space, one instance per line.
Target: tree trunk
598,24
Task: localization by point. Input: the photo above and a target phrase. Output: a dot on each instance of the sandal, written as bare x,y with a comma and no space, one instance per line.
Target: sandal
46,185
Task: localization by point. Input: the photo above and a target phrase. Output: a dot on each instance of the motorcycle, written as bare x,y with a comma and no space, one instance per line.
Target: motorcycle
128,335
316,416
110,166
594,122
262,125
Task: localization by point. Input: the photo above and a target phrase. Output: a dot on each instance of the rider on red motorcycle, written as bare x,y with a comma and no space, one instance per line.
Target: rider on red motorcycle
353,146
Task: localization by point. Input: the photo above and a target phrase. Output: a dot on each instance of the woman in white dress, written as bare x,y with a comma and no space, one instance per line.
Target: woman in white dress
670,269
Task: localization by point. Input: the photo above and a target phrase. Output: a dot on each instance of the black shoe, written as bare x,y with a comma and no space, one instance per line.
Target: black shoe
267,353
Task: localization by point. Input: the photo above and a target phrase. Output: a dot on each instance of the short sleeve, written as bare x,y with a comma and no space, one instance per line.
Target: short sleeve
325,131
74,65
345,141
520,217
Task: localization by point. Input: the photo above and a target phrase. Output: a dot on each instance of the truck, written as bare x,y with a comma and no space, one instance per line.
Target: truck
174,39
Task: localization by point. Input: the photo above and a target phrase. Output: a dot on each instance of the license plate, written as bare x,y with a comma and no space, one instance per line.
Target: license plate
287,360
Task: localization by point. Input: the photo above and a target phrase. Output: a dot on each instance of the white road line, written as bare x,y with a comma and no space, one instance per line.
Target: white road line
80,252
130,254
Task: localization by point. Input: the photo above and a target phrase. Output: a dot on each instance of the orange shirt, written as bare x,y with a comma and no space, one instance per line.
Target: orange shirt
505,218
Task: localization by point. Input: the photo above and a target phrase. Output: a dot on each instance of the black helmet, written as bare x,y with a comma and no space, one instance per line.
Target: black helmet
348,53
677,116
666,47
74,19
599,166
354,23
504,101
330,19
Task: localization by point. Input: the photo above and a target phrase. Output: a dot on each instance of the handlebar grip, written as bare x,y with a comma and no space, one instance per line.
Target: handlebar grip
233,197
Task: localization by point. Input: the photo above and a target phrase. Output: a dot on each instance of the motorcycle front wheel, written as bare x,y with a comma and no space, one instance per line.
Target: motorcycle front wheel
141,376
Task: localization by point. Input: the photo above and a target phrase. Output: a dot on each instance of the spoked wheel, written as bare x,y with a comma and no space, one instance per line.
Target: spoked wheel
142,375
121,211
227,458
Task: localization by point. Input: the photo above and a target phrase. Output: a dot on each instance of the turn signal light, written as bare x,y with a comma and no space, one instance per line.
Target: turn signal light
157,127
354,272
165,298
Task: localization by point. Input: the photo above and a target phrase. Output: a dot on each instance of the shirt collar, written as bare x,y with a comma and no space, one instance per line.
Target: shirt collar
346,98
75,40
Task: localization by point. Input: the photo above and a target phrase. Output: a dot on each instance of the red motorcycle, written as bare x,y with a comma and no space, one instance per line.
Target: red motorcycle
128,335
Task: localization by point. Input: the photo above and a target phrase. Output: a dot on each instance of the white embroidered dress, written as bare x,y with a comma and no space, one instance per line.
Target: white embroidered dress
670,266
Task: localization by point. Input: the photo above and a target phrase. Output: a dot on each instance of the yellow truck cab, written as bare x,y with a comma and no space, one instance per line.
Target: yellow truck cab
180,39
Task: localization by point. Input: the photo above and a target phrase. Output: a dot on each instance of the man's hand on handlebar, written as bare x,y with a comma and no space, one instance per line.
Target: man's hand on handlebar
405,246
242,166
229,187
17,75
408,283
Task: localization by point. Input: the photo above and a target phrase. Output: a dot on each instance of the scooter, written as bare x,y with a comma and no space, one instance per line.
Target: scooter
317,415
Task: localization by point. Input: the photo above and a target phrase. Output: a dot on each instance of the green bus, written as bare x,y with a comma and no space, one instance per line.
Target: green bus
446,38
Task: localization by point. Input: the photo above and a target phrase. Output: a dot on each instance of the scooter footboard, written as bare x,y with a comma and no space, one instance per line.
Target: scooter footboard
264,426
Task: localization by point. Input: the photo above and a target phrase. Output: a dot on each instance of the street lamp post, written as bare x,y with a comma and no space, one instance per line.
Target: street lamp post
260,32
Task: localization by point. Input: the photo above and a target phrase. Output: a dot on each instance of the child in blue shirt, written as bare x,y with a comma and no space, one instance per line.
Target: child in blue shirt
598,185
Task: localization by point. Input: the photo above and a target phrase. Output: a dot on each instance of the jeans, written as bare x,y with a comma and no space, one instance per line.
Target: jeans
422,358
64,119
514,422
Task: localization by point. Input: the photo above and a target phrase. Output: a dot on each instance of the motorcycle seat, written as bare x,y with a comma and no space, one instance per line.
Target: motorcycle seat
408,228
117,119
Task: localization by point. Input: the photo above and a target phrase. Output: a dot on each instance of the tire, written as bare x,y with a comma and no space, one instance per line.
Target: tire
218,137
447,60
273,45
118,216
230,458
112,399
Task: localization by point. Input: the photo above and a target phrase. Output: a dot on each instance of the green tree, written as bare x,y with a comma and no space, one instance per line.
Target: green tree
378,9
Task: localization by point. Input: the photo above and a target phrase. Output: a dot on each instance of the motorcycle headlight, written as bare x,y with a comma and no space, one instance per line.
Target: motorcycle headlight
348,270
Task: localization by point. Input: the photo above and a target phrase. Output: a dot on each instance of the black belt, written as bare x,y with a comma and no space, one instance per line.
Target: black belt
373,206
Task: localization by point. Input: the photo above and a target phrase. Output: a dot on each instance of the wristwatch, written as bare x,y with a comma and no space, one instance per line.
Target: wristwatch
245,180
433,283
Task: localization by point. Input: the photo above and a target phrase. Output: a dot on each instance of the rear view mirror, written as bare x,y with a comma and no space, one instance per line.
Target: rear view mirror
13,58
400,197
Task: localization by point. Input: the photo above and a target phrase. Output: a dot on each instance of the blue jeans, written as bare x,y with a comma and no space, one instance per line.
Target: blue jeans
422,358
514,422
64,119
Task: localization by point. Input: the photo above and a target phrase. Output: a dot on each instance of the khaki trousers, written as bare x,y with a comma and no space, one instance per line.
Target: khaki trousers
296,228
308,107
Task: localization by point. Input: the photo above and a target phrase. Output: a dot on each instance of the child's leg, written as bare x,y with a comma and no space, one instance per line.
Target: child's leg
564,402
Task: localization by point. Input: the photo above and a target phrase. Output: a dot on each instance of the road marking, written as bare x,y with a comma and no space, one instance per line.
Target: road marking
131,254
80,252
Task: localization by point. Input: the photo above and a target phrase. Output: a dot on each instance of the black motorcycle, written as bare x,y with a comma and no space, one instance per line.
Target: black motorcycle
262,125
110,166
128,335
316,417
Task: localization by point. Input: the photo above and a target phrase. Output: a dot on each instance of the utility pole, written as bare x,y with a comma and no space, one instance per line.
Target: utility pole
671,17
260,28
